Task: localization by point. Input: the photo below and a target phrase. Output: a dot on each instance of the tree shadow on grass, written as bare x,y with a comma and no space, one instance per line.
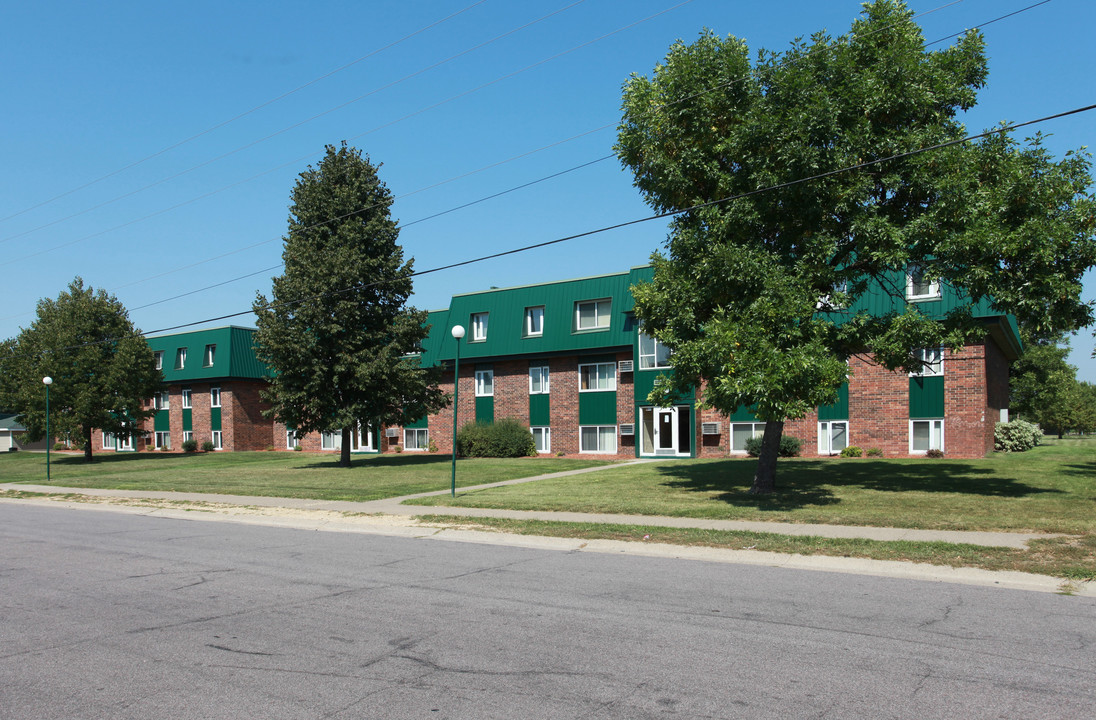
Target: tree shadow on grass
376,461
803,483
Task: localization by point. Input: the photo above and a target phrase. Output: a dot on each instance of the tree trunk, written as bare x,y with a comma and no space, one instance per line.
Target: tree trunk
765,478
87,444
344,452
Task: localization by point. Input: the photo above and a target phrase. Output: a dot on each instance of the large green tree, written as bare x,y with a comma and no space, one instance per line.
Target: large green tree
338,334
1042,385
102,368
766,241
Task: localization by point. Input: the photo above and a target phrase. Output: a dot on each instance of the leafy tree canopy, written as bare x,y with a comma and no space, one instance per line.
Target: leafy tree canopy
102,368
766,238
338,333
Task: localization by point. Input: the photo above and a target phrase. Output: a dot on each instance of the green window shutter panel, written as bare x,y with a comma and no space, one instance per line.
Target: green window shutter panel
926,397
840,409
539,413
215,418
420,423
162,421
485,409
597,408
188,420
743,414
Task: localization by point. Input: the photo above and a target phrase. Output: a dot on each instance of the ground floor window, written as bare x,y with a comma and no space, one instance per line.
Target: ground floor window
108,441
361,439
542,438
162,440
117,442
741,432
833,436
598,439
188,435
290,439
331,441
416,439
217,440
926,435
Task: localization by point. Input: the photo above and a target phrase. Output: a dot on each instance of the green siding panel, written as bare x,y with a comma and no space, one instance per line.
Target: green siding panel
539,412
743,414
188,419
162,421
926,397
215,418
234,356
421,423
597,408
840,409
485,409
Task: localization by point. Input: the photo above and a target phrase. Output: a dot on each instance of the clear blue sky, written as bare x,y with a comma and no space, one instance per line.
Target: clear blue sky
90,89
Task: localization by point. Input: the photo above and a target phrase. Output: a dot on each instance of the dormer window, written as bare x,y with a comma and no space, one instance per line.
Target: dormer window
210,353
534,321
919,286
180,358
479,327
158,356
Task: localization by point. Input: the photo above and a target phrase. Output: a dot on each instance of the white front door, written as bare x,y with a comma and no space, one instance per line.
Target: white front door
664,431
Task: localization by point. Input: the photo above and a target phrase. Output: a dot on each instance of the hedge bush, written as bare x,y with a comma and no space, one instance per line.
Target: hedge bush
1016,436
190,445
874,452
789,446
505,438
852,451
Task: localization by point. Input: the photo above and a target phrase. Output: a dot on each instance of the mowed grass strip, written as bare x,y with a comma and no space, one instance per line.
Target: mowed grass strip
1073,558
1051,488
275,474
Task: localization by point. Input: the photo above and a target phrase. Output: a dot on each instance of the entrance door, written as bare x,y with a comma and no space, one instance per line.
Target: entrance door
361,440
665,431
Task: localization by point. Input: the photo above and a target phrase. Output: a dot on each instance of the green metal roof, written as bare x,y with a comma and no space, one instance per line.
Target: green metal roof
234,355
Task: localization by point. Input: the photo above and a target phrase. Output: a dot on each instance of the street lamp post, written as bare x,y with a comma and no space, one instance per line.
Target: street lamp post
458,333
47,381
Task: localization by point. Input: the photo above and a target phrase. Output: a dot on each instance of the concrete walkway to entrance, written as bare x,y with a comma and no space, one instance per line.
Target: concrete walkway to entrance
394,507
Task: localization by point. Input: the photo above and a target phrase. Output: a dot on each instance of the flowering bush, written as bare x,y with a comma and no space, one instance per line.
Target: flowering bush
1016,436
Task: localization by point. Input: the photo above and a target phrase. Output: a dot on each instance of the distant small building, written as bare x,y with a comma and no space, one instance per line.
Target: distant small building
11,432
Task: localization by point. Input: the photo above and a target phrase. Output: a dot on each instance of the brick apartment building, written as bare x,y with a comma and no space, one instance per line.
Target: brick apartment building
568,359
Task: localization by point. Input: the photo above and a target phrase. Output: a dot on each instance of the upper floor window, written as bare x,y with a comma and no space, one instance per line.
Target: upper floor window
597,376
652,353
479,326
215,397
485,383
919,286
534,321
932,362
160,400
158,356
538,380
180,358
210,353
186,397
593,314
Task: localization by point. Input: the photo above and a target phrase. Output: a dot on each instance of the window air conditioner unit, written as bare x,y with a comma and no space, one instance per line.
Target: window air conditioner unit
710,428
392,432
625,366
628,429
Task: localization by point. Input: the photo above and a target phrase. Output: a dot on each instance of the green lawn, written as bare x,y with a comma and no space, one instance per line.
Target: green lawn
1051,489
274,474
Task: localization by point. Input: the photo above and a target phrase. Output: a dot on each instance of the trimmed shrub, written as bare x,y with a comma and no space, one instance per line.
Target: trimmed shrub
789,446
874,452
190,445
852,451
1016,436
505,438
298,448
60,446
207,446
934,453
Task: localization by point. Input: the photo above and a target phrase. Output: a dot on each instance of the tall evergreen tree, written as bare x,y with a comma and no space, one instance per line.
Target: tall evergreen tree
102,368
738,294
337,333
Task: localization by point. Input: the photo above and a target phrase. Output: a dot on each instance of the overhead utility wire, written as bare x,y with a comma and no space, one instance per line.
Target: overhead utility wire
244,114
294,126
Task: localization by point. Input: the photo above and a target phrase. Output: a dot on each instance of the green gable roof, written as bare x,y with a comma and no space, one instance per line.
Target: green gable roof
233,358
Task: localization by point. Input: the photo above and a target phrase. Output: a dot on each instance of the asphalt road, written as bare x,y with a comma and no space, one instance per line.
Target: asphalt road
111,615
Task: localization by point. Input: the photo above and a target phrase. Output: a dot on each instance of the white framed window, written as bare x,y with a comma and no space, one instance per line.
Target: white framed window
108,441
125,442
593,314
160,400
485,383
158,356
833,436
932,362
598,439
743,431
652,354
291,439
926,435
217,440
597,377
416,438
542,438
215,396
479,327
209,355
538,380
188,435
180,358
162,440
534,321
920,287
186,397
331,441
